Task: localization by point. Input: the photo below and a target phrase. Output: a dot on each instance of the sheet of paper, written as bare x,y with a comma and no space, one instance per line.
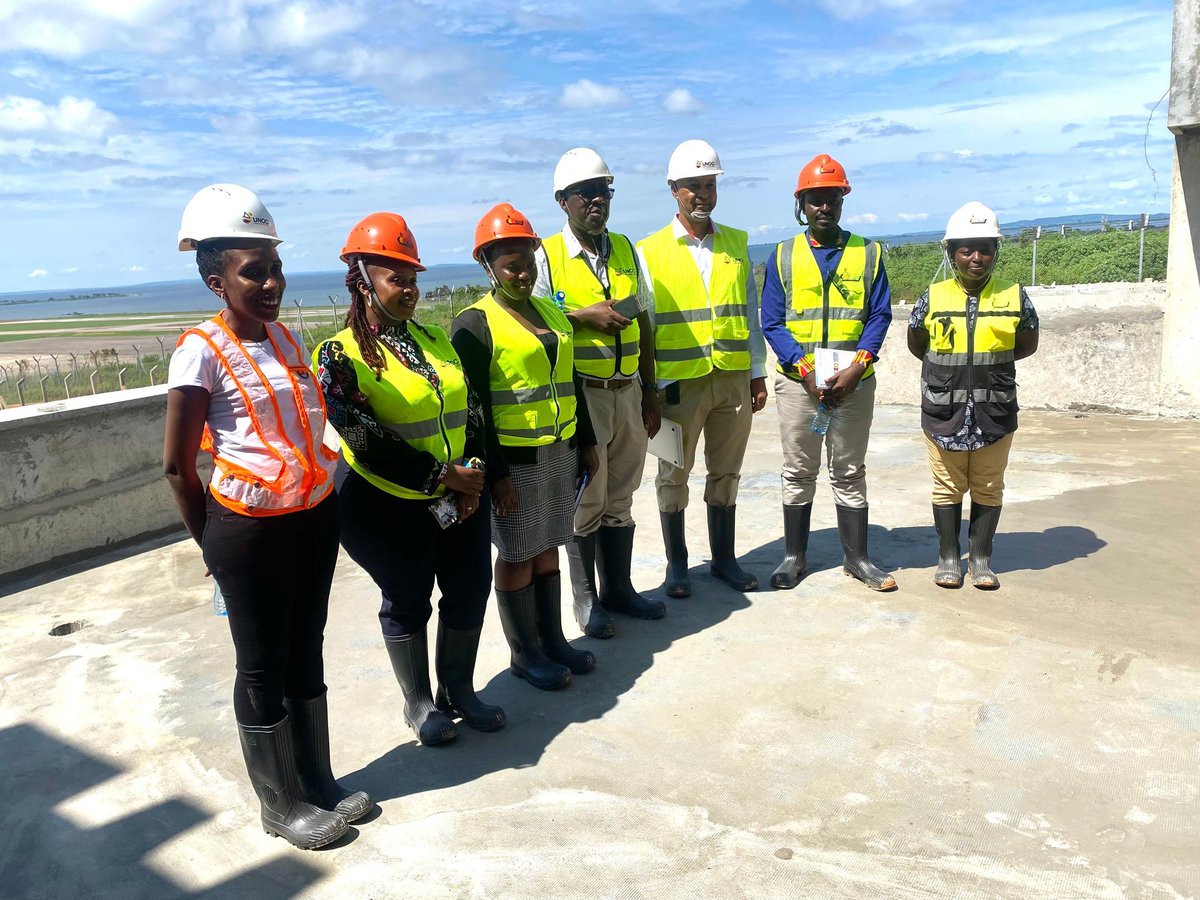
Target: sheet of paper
830,362
667,445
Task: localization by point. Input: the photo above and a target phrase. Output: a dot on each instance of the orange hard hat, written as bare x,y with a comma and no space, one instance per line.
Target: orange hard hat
500,222
822,171
383,234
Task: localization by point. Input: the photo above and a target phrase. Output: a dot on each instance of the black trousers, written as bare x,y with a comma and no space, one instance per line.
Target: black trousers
275,573
403,549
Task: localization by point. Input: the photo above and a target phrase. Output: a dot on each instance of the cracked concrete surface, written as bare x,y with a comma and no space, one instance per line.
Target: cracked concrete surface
1042,741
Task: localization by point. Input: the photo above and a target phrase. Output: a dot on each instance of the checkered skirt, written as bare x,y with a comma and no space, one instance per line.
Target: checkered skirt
545,514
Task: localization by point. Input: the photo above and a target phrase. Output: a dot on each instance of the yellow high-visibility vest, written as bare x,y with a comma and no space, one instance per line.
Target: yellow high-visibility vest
977,362
533,403
406,404
821,313
597,355
697,328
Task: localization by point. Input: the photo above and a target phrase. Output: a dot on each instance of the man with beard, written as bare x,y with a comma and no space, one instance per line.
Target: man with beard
594,277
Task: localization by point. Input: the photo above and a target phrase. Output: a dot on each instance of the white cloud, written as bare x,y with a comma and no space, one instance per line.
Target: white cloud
863,219
38,273
239,124
586,94
964,154
1123,185
912,217
134,269
681,100
70,269
71,116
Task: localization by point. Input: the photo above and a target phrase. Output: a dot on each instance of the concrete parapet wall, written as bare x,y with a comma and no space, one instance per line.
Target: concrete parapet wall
81,475
1100,350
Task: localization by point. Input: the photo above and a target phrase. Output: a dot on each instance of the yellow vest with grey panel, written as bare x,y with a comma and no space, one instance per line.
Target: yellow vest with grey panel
698,328
597,355
973,359
827,312
533,404
407,405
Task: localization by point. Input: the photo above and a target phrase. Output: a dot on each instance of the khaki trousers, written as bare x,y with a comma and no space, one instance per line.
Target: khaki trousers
957,471
845,443
717,404
621,445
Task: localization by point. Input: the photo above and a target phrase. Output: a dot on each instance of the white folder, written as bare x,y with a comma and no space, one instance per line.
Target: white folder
829,362
667,445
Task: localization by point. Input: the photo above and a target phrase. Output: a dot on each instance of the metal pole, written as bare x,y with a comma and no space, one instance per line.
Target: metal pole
1142,245
67,383
1037,233
45,399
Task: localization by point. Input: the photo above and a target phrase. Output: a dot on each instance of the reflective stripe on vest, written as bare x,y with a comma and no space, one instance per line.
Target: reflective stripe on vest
976,362
697,328
532,403
404,403
827,312
275,475
596,352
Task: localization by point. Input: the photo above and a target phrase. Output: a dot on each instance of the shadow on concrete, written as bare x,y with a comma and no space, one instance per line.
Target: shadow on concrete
47,855
916,547
536,717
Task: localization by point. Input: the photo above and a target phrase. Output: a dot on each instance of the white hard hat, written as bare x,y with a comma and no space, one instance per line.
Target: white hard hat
225,211
972,221
692,159
578,165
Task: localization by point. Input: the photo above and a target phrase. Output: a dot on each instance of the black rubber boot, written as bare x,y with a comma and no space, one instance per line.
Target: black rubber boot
614,552
678,584
724,564
548,602
518,617
797,521
271,763
593,620
310,740
852,529
948,520
410,661
454,662
982,529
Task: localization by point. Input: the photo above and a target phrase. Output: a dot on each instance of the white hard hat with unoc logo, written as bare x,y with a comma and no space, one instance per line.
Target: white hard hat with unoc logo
225,211
578,165
694,159
972,221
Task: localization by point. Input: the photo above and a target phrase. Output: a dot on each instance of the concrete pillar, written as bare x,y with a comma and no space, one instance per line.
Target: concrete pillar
1181,327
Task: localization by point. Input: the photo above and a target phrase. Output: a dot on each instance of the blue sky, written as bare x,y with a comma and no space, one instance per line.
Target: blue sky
113,112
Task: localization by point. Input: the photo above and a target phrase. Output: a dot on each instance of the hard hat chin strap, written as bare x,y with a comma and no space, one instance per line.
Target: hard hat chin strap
953,268
799,211
375,303
496,286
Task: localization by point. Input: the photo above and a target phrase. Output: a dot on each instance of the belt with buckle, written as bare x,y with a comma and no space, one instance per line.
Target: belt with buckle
608,384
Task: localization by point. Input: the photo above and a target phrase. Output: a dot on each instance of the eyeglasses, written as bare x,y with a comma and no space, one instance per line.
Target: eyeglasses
591,192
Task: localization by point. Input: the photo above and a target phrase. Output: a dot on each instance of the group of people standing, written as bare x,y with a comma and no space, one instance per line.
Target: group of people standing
526,428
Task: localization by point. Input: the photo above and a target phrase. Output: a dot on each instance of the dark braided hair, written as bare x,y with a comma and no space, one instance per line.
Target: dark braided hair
359,325
210,257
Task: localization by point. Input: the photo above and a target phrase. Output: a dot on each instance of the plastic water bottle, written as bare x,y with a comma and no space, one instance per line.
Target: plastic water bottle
218,601
560,300
820,422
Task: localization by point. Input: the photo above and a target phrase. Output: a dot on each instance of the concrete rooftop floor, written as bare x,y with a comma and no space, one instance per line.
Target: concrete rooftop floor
1042,741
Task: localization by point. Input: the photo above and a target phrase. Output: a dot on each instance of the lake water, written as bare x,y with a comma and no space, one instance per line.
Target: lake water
313,288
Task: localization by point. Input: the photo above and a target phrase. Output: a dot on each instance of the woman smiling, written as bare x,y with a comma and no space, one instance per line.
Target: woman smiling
413,504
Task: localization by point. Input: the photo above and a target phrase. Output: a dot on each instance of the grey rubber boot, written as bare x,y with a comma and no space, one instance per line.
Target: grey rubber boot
852,529
982,529
948,520
271,764
518,617
797,520
593,619
454,661
310,740
677,584
724,565
410,662
547,592
614,553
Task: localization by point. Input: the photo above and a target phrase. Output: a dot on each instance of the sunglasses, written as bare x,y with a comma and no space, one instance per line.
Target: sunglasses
591,192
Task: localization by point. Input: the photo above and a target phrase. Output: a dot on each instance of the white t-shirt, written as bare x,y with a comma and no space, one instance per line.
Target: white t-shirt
195,364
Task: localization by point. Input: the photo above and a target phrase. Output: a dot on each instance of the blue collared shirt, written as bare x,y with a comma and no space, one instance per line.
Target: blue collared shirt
774,315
